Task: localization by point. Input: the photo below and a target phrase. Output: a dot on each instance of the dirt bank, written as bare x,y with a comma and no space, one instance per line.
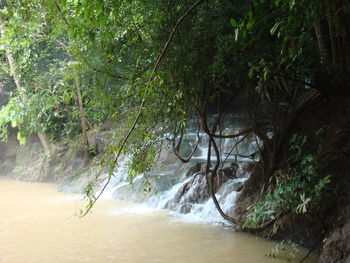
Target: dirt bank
328,229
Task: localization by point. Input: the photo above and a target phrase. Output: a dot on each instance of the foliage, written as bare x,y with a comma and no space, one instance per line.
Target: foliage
109,46
285,248
297,190
58,168
41,103
35,113
18,169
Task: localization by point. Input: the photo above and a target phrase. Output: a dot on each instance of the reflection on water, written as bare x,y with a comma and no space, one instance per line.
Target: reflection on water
39,224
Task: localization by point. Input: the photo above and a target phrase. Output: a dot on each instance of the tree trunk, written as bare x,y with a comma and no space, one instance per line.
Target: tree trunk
45,142
84,127
16,78
346,43
331,32
12,64
321,43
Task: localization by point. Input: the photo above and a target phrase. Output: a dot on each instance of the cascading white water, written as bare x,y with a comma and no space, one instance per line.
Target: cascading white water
182,188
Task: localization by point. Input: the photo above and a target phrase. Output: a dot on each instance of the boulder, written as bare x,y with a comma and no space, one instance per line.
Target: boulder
336,248
196,190
194,169
98,141
230,172
2,151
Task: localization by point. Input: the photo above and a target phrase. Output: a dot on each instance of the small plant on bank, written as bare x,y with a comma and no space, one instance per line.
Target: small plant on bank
3,165
59,168
18,169
297,190
285,249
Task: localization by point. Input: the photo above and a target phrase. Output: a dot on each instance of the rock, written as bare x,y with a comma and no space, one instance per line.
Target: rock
101,142
219,180
98,141
196,190
193,170
230,172
166,156
185,209
336,248
59,149
250,167
238,186
12,146
2,150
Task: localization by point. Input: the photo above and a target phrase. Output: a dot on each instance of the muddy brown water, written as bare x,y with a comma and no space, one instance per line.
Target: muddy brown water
39,224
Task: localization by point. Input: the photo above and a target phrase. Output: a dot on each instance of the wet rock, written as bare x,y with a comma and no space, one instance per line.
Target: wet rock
101,142
336,248
166,156
194,169
203,167
219,180
185,209
230,172
98,141
12,146
2,150
130,193
238,186
250,167
196,190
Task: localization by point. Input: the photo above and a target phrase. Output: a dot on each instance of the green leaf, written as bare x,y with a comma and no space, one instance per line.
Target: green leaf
250,15
233,22
291,4
277,3
245,224
21,138
274,28
249,25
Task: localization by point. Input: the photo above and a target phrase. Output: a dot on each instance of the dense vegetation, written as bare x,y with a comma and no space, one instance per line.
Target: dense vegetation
68,66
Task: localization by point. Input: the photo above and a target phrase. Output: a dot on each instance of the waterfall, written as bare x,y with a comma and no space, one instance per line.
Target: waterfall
181,188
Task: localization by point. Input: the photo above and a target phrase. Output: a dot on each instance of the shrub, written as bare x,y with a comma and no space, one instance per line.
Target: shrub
297,190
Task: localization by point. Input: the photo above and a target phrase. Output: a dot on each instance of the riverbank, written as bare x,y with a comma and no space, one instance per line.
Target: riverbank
327,140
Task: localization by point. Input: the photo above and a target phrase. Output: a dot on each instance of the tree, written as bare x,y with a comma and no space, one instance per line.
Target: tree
12,65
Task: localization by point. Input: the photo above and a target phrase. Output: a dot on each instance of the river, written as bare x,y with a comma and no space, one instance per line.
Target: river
38,224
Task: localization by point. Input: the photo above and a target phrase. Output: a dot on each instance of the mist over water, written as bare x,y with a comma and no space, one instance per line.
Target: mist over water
40,224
